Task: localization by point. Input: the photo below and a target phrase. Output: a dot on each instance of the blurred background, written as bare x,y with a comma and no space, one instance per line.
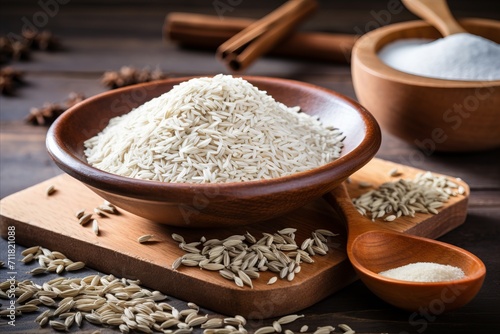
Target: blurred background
84,17
99,36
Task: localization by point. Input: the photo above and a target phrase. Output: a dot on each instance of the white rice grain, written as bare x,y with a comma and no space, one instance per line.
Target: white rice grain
213,130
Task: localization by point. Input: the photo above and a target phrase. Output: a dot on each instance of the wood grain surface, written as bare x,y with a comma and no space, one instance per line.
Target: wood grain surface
50,222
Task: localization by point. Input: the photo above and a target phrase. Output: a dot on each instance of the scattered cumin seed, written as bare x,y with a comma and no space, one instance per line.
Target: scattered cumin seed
38,270
326,233
69,321
265,330
227,274
461,190
50,190
84,219
144,238
212,266
287,230
42,315
193,306
363,184
47,301
324,330
277,327
177,237
57,325
99,212
107,209
75,266
289,318
242,320
28,258
394,172
25,296
177,263
79,214
43,322
32,250
238,281
60,268
276,252
189,263
212,323
390,218
346,329
423,194
95,227
197,321
245,279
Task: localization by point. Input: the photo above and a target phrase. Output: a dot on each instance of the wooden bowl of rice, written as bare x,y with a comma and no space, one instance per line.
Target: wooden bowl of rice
215,204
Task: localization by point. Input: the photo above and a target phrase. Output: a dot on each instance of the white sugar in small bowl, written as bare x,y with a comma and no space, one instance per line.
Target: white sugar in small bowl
432,114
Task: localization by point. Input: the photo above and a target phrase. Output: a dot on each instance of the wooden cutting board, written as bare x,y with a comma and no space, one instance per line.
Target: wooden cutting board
50,221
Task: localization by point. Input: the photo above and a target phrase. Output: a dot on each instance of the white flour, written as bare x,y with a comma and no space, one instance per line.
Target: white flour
425,272
456,57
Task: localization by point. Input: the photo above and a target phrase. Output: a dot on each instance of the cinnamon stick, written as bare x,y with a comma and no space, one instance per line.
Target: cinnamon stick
208,32
259,37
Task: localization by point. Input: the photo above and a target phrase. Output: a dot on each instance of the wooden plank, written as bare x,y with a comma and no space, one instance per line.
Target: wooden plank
99,54
50,221
43,88
24,160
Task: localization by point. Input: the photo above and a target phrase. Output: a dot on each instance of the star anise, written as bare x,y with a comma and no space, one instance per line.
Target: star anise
10,79
73,98
16,50
49,112
19,49
5,49
128,75
41,40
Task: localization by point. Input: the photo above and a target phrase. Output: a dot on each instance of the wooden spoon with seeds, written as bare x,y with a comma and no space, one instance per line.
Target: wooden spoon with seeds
372,248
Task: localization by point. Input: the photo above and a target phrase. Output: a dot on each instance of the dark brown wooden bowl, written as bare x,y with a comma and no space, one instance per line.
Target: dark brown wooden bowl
205,205
433,114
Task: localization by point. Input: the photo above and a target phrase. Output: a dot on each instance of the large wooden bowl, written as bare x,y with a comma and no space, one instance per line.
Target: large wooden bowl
433,114
202,205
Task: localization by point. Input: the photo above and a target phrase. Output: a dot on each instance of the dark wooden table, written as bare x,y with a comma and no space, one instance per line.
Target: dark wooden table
105,36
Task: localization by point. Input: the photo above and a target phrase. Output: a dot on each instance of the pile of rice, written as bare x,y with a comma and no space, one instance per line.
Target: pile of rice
208,130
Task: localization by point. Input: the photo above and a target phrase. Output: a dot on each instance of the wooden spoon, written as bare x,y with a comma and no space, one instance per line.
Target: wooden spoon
436,13
372,248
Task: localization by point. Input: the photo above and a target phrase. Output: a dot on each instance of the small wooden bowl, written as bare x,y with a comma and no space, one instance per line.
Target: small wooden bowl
433,114
211,205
